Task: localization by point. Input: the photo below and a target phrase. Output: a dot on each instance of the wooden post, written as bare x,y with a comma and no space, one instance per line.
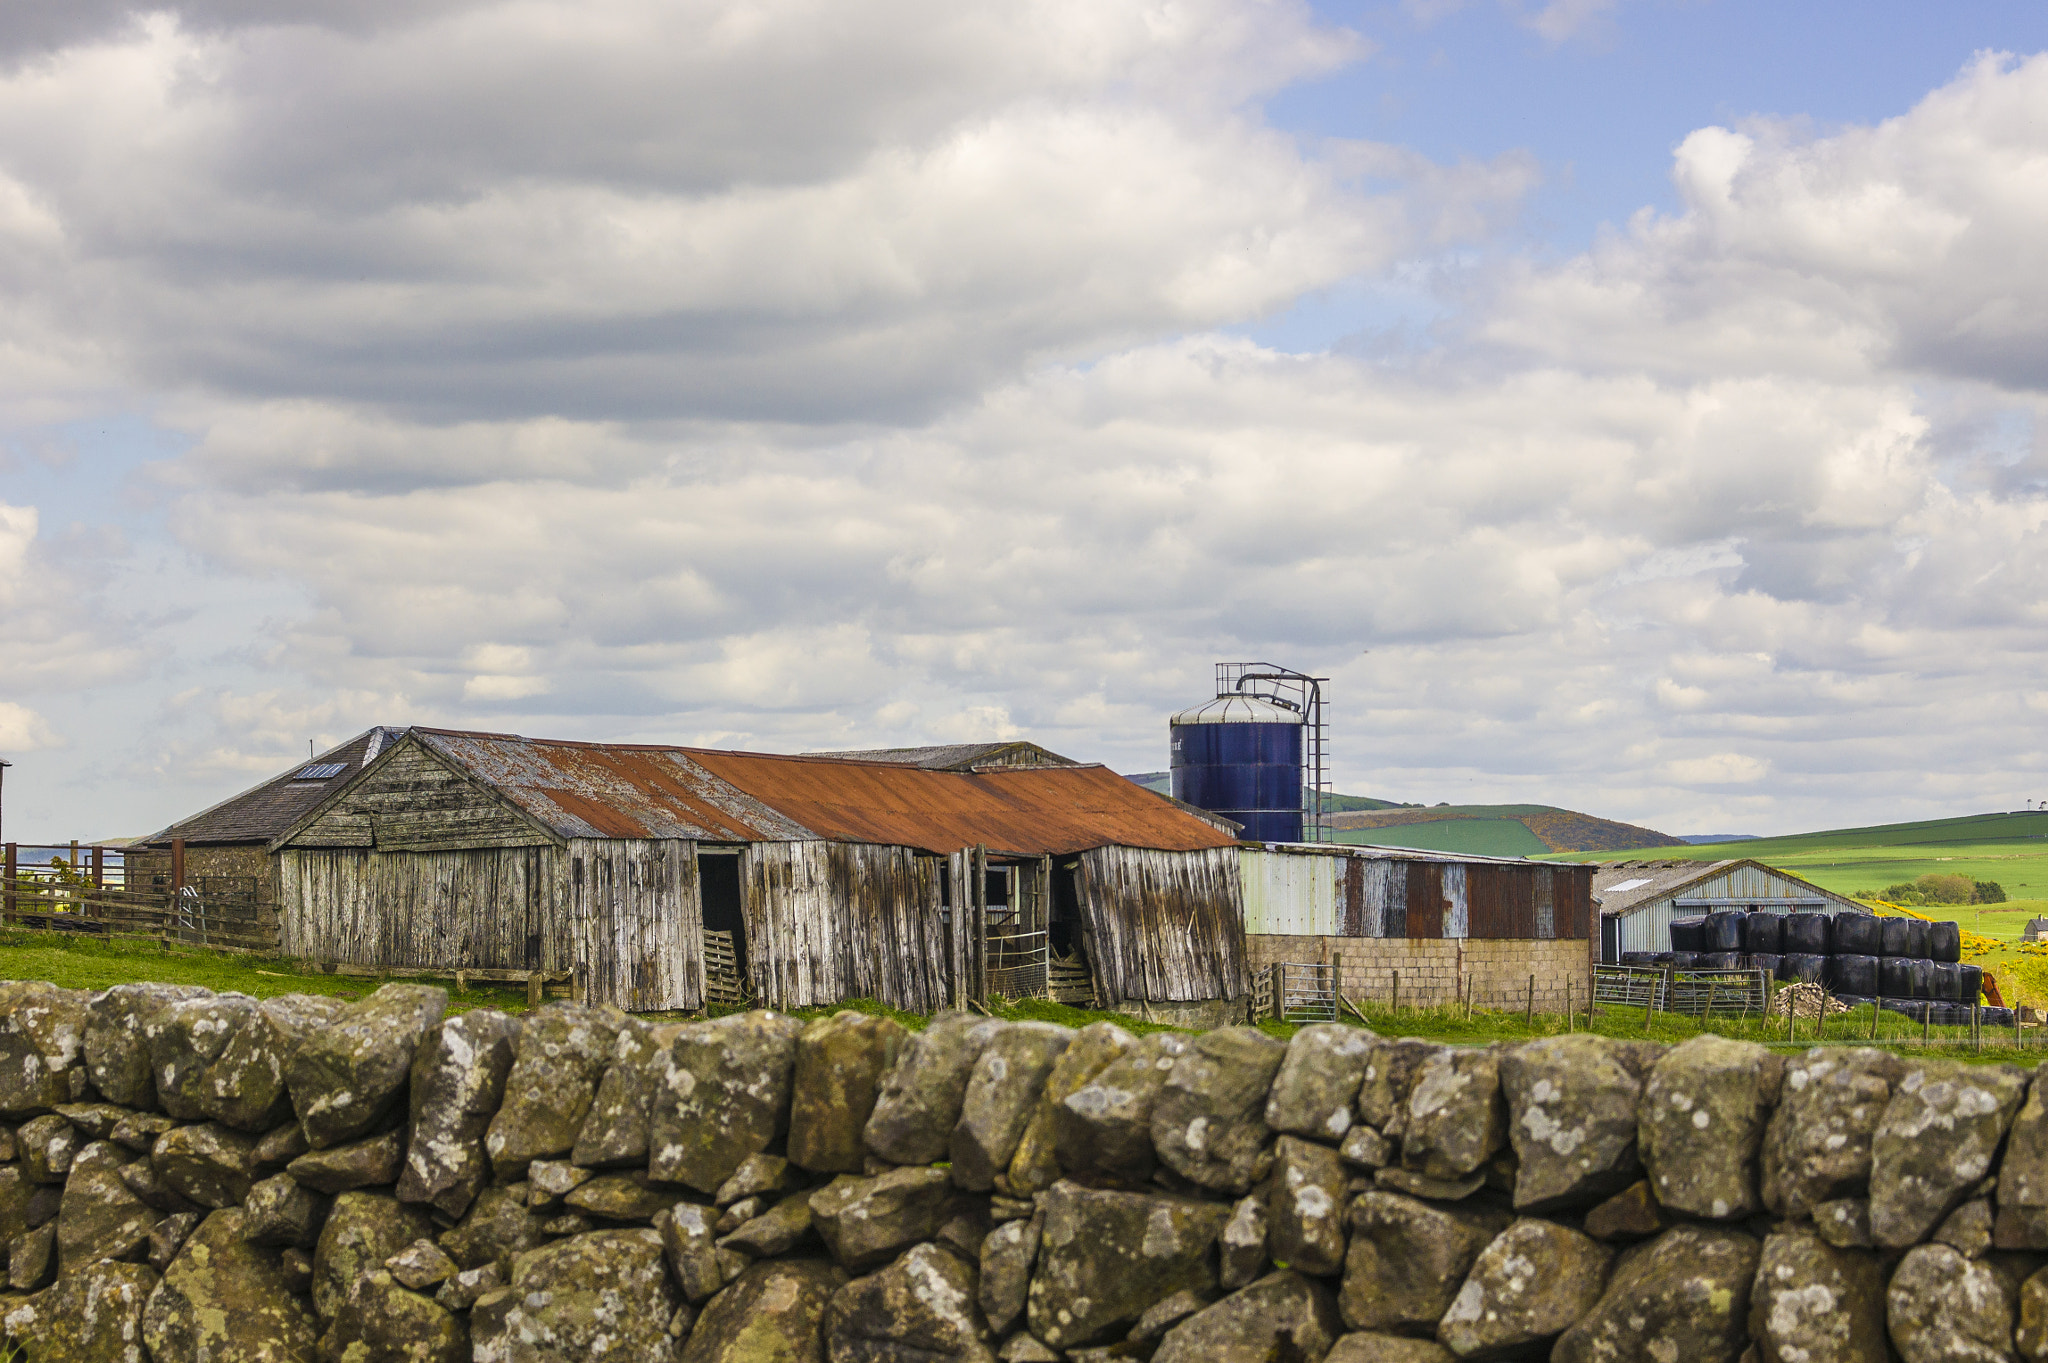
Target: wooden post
1820,1019
1529,1015
99,868
536,989
1926,1024
1395,1006
977,944
1874,1011
1977,1024
177,867
1468,998
1568,1018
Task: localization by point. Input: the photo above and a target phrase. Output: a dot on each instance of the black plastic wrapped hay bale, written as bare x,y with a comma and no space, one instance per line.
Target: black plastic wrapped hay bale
1971,987
1898,936
1639,958
1895,977
1688,934
1763,934
1856,1000
1903,1007
1945,942
1997,1017
1720,960
1856,934
1686,960
1769,962
1916,929
1852,975
1806,934
1802,968
1724,930
1666,959
1948,982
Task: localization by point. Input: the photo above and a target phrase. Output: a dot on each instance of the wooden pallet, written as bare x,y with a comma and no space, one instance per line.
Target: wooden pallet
722,982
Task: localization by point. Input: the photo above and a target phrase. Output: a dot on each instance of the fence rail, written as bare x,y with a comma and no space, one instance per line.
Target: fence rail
224,918
1691,993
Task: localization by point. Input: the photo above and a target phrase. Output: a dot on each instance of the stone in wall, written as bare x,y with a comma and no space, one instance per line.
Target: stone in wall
1209,1124
1817,1148
1702,1122
727,1097
1571,1109
1935,1142
919,1102
840,1062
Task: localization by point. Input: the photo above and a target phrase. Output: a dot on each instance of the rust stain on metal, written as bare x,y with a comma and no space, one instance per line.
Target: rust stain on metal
1037,811
626,790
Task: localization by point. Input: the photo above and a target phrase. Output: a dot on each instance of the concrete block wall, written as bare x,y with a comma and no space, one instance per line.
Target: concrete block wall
1436,971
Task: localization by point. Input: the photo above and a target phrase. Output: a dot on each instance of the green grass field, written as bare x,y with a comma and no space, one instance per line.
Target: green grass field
78,963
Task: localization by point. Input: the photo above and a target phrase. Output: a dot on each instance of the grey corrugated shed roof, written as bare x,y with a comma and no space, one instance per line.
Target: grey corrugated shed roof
958,756
1624,886
262,812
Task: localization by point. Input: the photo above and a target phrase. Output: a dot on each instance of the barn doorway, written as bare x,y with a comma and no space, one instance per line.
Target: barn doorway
725,928
1068,978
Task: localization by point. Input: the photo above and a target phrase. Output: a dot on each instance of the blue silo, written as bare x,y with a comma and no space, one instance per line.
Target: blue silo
1241,756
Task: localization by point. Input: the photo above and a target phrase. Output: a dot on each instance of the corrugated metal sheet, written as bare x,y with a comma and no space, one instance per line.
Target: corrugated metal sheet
612,790
1310,890
583,790
1039,811
957,756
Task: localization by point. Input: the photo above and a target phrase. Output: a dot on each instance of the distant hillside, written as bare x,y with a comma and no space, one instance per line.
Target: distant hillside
1496,830
1932,834
1162,782
2011,849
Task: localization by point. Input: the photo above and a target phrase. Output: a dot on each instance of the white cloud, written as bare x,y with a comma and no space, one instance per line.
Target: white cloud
23,730
822,383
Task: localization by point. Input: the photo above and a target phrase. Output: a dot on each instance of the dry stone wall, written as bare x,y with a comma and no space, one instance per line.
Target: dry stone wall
200,1178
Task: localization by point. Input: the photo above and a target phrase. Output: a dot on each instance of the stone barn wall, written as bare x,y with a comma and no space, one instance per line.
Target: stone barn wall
187,1176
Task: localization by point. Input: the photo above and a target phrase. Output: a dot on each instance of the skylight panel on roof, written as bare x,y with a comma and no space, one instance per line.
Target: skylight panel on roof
321,771
1625,885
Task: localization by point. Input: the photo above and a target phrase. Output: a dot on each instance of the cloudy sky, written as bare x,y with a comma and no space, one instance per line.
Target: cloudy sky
1628,404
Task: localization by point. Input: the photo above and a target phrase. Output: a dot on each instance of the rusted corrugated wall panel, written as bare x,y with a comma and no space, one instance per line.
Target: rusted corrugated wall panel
1425,899
827,921
486,909
639,921
1163,926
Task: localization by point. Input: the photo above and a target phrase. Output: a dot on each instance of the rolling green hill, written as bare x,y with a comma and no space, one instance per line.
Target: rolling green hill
2011,849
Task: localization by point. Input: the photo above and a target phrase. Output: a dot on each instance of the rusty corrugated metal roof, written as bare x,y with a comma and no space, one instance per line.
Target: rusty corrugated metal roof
1040,811
611,790
629,790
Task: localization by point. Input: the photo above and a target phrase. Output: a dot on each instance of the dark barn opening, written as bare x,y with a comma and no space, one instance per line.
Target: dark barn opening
719,877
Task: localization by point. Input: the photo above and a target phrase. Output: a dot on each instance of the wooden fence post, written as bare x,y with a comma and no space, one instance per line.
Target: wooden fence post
977,944
1395,1007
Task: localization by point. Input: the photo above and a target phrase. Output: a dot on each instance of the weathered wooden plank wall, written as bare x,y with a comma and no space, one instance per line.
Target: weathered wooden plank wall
492,908
827,921
414,802
1163,926
638,919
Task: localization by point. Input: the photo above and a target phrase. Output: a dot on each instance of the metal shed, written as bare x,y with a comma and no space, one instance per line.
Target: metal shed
1345,890
665,875
1419,926
1638,899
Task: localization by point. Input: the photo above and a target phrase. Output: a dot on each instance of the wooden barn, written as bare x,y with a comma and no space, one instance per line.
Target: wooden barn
1502,930
664,877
